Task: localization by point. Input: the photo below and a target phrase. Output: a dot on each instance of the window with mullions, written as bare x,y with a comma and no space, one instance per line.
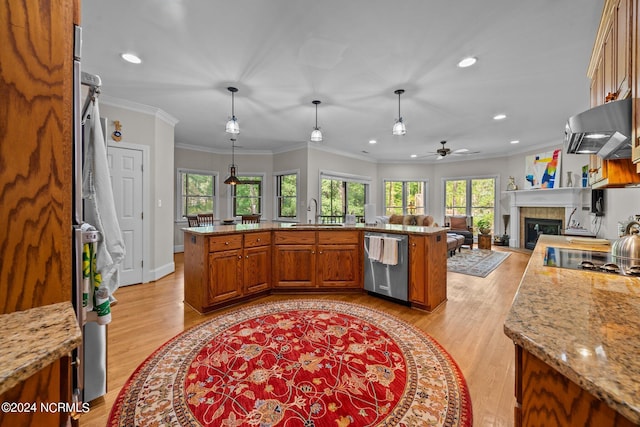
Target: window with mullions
341,196
247,196
286,195
474,197
196,192
405,197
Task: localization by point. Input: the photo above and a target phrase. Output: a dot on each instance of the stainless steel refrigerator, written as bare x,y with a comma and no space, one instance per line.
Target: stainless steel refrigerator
90,359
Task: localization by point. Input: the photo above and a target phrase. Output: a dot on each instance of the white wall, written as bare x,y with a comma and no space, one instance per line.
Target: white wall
153,128
619,203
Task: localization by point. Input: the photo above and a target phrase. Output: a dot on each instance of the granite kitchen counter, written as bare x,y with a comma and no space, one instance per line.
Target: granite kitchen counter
32,339
586,325
269,226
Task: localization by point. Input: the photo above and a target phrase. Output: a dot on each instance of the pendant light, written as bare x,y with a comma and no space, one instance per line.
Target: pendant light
233,179
232,124
399,127
316,135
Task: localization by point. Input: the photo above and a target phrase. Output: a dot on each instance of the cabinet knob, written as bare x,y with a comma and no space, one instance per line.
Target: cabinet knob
258,239
226,243
313,252
320,252
240,257
247,256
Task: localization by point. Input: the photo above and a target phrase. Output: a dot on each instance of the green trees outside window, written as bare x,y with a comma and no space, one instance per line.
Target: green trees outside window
287,195
471,196
197,193
341,197
405,197
247,196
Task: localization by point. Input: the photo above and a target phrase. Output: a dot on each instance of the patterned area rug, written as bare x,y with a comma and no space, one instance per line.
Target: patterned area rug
476,262
306,363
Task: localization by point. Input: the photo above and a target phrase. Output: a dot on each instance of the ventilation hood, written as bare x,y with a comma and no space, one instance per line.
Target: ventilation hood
604,130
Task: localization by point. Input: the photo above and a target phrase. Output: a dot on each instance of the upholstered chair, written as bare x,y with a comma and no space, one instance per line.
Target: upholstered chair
461,224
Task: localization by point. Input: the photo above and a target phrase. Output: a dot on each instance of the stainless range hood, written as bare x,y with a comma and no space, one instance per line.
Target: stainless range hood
604,130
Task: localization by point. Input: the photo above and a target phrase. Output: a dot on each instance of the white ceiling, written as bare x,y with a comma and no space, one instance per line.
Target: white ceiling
351,55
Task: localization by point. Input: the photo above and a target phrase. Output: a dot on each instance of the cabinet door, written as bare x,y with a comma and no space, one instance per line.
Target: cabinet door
294,266
256,269
339,266
596,169
417,263
635,82
225,275
622,50
608,65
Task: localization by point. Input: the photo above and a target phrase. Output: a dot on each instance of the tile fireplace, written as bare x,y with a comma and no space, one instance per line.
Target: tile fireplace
555,204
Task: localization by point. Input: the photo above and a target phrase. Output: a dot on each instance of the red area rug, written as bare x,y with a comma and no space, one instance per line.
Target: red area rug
307,363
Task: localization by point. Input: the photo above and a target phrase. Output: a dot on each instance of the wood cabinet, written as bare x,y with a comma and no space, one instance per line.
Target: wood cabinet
322,259
36,83
428,270
614,75
223,268
339,259
545,397
256,265
635,82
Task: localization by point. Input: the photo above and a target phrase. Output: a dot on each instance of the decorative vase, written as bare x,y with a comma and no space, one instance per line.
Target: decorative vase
569,179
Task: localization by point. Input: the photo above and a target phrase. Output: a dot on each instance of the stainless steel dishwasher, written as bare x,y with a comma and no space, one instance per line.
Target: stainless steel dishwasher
385,279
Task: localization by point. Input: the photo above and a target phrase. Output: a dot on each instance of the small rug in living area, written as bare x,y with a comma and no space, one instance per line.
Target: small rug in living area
476,262
306,363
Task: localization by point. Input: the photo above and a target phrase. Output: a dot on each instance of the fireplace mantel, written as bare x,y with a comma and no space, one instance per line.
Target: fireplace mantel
569,198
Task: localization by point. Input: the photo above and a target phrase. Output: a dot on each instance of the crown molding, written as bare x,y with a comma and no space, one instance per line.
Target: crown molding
139,108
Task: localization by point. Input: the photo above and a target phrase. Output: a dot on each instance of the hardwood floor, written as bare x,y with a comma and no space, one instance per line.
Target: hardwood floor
469,325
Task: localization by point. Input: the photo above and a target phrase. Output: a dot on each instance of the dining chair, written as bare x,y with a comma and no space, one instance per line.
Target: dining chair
251,219
193,220
205,219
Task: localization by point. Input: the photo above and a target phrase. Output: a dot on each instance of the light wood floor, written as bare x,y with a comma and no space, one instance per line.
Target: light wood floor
469,326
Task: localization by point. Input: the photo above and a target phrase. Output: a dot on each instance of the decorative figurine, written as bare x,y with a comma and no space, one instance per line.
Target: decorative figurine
511,186
117,135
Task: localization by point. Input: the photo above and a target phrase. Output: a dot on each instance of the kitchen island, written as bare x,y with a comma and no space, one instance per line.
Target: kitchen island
577,338
227,264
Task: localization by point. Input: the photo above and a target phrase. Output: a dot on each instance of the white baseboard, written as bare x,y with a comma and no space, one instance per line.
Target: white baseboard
178,249
162,271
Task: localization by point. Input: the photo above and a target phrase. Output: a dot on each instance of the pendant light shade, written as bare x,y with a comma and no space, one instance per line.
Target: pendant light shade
233,179
316,135
232,124
399,127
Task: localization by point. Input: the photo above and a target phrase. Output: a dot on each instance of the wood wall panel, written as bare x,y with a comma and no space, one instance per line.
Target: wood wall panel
36,81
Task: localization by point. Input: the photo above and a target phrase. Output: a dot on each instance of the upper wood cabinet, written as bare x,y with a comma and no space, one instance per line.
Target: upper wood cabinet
613,71
635,81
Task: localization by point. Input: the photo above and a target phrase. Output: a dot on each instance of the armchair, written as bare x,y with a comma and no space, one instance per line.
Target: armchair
462,225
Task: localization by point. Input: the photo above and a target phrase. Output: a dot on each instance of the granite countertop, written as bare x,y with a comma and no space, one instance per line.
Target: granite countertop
586,325
268,226
33,339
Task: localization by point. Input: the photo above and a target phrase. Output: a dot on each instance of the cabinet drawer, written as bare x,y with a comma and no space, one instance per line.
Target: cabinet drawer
337,237
223,243
294,237
257,239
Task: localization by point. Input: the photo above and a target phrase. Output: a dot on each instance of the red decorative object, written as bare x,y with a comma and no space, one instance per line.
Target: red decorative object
306,363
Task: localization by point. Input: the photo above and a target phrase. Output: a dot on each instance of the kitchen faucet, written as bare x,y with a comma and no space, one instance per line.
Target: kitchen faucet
316,216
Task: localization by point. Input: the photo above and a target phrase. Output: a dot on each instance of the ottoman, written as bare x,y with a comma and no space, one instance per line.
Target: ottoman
454,241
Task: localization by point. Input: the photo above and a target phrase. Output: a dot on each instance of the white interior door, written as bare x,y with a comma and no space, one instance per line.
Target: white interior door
126,178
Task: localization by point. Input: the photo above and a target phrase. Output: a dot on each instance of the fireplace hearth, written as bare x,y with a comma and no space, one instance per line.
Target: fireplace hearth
534,227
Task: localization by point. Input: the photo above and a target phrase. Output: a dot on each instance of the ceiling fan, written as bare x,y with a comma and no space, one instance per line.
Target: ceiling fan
444,151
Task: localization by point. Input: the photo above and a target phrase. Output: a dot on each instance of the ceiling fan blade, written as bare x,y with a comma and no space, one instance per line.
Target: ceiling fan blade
460,150
440,157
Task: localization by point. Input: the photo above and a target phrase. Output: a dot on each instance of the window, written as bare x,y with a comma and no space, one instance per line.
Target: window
286,195
405,197
471,196
247,196
341,195
196,192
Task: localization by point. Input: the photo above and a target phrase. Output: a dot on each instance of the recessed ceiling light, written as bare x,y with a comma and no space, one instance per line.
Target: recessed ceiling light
413,156
515,141
130,57
467,62
372,141
499,117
